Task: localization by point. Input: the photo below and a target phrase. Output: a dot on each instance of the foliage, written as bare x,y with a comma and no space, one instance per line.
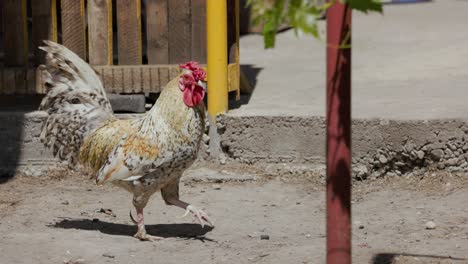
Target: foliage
301,15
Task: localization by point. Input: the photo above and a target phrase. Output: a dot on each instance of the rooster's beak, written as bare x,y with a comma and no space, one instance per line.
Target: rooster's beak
202,84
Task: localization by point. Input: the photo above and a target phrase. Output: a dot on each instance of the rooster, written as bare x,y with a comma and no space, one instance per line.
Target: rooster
142,155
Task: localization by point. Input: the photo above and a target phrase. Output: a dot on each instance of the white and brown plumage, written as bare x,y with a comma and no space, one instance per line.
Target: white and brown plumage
142,155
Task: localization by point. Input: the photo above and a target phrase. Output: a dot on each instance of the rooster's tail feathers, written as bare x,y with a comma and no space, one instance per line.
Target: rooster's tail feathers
75,101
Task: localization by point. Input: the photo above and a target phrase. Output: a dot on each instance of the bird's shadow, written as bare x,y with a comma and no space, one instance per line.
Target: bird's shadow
187,231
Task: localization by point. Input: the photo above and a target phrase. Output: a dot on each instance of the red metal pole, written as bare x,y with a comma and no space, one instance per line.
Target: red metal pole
338,134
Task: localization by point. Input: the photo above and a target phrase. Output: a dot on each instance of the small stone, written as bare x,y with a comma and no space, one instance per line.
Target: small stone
399,164
361,171
265,237
451,162
409,147
430,225
108,255
308,235
383,159
437,154
420,154
65,203
361,227
216,186
448,152
452,147
222,159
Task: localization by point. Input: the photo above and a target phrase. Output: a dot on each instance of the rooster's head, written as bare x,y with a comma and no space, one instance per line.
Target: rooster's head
192,83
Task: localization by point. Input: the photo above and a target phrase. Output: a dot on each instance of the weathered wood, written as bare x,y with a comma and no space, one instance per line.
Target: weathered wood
100,32
129,32
15,32
136,79
157,31
199,30
17,80
231,31
73,26
164,77
180,30
44,26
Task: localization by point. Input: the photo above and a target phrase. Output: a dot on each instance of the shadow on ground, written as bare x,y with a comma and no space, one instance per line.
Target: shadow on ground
251,73
390,258
12,111
189,231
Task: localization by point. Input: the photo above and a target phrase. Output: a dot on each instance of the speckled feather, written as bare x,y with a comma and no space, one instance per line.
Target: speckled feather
75,101
153,149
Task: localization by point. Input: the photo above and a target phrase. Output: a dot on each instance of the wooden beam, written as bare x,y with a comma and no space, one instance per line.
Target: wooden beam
73,26
126,78
17,80
100,32
136,79
199,31
15,32
129,32
157,32
231,31
180,30
44,25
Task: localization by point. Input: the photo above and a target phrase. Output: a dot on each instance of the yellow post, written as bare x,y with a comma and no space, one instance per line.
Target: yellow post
216,25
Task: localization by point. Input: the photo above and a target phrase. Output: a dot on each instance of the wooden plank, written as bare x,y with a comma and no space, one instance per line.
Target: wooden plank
100,32
145,79
17,80
73,26
15,32
180,37
154,80
157,31
163,77
115,78
137,78
199,31
231,31
129,32
173,72
44,26
9,80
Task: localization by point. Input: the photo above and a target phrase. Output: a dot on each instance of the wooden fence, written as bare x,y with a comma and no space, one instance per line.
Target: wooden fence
134,44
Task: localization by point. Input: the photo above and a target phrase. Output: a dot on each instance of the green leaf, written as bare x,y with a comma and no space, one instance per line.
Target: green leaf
272,20
366,5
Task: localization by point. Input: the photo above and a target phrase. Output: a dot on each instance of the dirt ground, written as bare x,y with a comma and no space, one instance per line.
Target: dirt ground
56,219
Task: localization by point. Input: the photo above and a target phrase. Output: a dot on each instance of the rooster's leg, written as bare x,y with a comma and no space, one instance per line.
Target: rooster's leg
141,234
170,194
199,215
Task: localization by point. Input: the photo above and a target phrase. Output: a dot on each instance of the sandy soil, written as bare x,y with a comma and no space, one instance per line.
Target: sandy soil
56,219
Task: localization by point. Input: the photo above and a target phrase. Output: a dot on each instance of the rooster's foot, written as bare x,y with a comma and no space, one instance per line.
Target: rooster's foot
145,237
199,215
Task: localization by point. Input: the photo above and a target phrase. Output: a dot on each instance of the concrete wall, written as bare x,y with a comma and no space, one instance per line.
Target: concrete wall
379,146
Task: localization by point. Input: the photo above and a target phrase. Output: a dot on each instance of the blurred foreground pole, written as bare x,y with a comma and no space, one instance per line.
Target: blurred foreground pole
216,31
338,134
